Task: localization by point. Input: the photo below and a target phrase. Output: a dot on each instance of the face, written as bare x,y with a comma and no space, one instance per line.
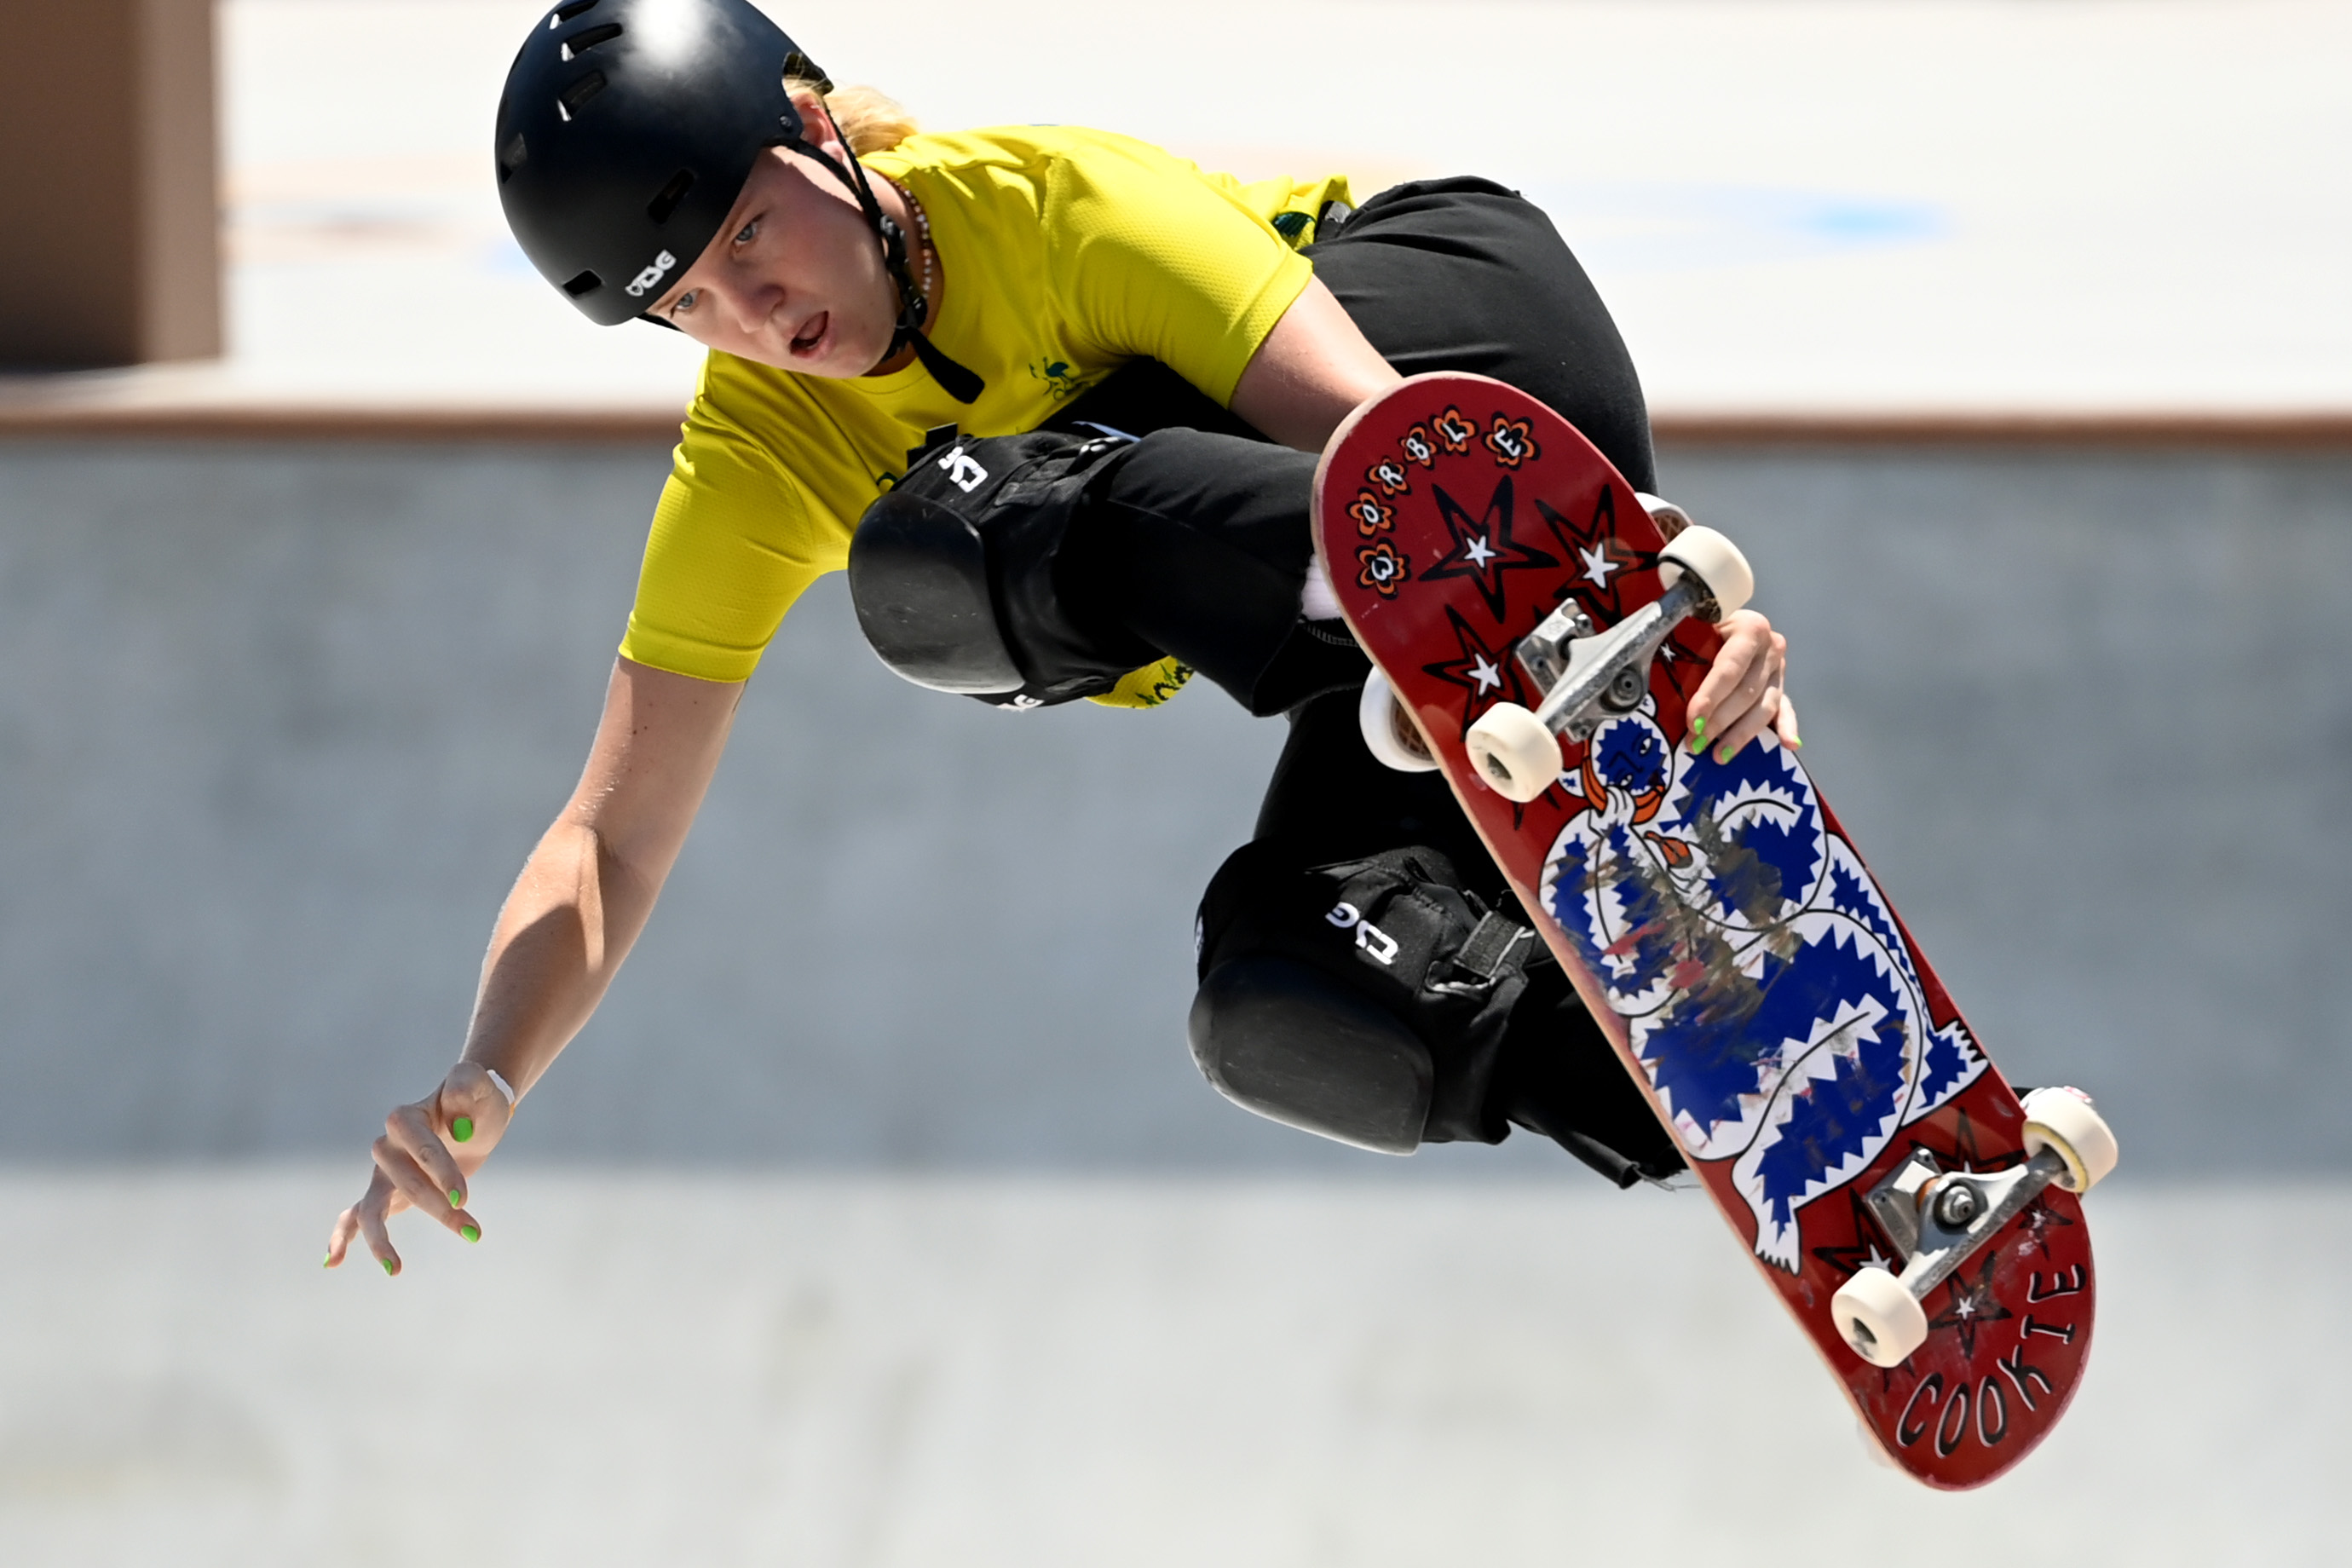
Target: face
794,278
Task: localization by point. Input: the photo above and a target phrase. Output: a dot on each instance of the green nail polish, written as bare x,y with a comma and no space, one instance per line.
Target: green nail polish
328,1261
1698,735
388,1264
461,1128
471,1233
1723,753
457,1199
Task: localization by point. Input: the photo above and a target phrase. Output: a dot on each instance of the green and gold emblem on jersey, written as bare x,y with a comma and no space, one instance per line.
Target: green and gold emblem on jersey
1059,378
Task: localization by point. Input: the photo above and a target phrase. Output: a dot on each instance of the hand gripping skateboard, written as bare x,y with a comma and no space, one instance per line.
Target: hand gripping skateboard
1541,636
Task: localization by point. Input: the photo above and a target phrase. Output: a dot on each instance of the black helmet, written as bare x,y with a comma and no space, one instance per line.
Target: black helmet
626,132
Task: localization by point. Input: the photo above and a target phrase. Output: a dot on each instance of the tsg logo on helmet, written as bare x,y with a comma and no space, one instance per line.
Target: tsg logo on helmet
646,282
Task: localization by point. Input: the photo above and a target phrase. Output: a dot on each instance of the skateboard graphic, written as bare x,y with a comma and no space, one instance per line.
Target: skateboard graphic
1538,636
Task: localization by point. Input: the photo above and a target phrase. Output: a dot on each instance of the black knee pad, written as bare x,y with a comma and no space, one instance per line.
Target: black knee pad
1288,1041
919,577
952,572
1365,1000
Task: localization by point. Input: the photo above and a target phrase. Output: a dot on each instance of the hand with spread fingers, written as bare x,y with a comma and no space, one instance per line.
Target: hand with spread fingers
1744,693
423,1161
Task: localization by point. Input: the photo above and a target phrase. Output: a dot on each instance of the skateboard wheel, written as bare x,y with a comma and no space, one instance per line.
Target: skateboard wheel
1881,1321
1388,732
1670,519
1514,753
1715,561
2063,1119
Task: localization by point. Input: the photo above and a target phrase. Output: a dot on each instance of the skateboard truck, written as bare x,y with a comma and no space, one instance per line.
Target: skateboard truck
1588,677
1936,1219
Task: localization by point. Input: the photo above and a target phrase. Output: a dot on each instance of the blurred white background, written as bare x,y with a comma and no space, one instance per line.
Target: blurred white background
2109,204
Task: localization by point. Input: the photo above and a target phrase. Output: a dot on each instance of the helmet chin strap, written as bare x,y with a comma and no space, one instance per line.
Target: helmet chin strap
913,308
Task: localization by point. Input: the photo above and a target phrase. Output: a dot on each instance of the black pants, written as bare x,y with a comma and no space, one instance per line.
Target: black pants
1203,546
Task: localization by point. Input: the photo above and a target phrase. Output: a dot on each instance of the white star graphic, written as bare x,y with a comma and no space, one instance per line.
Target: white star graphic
1480,552
1597,564
1485,674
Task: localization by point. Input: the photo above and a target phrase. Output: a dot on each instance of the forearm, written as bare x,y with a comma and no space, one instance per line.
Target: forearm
590,885
574,914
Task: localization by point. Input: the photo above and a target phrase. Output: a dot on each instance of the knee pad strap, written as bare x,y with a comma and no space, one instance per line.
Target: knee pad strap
1393,937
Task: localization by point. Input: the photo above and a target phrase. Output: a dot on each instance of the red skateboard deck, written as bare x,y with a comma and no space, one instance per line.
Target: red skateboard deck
1714,916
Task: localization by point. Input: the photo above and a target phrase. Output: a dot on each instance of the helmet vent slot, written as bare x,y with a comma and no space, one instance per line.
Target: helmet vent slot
578,93
665,200
587,38
569,9
512,156
586,283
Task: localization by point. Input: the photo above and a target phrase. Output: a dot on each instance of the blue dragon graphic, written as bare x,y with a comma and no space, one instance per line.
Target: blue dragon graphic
1764,984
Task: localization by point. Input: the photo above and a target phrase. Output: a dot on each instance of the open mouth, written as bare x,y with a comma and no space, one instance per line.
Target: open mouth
812,333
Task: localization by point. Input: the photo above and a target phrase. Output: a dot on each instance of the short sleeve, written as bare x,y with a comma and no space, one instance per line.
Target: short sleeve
1163,264
731,548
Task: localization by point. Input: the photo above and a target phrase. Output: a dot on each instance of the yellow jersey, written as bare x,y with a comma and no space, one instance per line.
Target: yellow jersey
1069,252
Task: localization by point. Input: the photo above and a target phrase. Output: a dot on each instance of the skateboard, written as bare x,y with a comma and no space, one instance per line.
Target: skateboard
1538,628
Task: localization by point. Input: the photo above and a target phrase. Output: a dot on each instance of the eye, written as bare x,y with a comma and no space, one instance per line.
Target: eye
748,233
685,302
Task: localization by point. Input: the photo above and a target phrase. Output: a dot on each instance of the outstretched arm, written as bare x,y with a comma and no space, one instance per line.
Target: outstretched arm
583,896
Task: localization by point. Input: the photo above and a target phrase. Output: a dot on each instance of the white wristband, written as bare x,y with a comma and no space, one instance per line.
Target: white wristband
504,1087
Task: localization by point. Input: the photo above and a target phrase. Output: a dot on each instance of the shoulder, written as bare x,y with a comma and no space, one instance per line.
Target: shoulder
1047,165
1013,148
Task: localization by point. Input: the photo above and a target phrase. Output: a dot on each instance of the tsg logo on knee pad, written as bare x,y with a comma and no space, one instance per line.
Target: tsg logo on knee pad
1378,943
963,470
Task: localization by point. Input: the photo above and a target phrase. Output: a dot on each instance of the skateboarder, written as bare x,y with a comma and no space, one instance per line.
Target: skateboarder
1054,398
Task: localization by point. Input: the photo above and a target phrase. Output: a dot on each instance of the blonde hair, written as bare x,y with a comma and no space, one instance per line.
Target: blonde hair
871,121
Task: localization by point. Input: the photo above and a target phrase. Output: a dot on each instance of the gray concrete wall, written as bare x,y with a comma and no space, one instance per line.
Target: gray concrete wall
277,726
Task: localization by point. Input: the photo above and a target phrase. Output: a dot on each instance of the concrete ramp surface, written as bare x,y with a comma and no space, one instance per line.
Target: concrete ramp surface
958,1373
